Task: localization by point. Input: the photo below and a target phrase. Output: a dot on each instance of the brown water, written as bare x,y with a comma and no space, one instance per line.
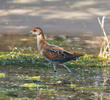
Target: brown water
39,83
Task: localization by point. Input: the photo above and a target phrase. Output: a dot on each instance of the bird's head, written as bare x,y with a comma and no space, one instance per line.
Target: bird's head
36,31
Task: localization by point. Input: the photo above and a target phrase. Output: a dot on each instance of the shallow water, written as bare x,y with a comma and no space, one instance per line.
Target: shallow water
39,83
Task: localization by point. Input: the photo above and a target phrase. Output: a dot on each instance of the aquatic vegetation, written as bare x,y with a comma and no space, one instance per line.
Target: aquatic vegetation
25,75
31,78
19,57
2,75
29,85
20,99
27,57
49,91
33,86
14,98
90,61
73,85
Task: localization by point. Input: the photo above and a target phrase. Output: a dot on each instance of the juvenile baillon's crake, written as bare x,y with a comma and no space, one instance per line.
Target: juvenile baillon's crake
54,54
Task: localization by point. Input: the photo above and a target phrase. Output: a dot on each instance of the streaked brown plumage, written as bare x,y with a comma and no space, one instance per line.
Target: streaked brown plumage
53,54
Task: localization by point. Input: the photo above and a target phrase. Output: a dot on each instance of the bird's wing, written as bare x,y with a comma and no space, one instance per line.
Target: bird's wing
55,53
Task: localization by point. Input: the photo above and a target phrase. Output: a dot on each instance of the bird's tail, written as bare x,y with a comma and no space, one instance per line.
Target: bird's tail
77,55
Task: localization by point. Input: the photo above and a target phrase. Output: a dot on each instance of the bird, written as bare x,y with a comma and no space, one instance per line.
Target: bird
55,55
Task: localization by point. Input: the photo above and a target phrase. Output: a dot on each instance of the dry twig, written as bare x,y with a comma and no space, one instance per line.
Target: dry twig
105,47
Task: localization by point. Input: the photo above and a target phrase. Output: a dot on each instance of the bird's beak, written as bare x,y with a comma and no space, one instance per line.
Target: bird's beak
29,32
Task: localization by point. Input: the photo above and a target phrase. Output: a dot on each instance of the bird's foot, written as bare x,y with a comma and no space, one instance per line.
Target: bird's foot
70,72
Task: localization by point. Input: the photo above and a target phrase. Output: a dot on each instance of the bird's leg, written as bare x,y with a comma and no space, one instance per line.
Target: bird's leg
66,68
54,67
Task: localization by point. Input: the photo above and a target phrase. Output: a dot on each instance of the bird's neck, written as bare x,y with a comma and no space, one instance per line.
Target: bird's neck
41,43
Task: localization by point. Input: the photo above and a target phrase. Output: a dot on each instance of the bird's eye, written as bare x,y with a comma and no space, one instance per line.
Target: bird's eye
34,30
